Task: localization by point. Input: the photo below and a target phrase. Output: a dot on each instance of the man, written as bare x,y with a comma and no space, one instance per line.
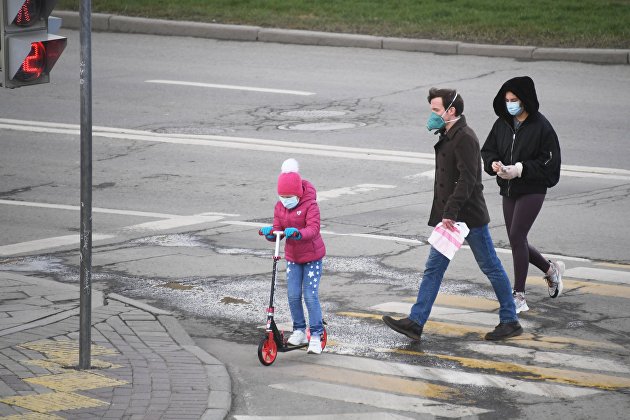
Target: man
458,197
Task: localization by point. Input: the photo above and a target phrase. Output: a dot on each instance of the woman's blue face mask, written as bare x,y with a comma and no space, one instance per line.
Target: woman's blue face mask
514,108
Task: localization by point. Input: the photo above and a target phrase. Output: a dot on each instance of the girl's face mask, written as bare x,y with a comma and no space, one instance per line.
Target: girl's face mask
289,202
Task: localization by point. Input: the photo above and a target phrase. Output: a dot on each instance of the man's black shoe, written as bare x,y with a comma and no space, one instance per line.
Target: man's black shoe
505,330
404,326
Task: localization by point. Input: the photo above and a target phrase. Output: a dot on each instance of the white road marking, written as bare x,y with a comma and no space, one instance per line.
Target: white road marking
231,87
378,399
347,416
361,188
94,209
467,316
452,376
552,358
168,221
41,244
173,223
277,146
600,274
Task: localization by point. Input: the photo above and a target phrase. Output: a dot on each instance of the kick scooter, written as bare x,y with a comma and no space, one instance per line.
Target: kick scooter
274,340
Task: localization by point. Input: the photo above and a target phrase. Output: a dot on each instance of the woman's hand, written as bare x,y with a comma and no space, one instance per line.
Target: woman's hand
496,166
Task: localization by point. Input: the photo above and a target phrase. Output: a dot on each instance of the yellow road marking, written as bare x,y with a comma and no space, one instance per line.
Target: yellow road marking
376,381
613,265
527,339
466,302
61,365
601,289
32,416
74,381
54,401
572,377
64,348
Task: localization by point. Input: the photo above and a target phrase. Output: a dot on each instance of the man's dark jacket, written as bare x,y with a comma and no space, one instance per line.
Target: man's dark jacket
458,191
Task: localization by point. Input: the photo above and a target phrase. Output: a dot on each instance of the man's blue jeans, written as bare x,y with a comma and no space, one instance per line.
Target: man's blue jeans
482,247
303,280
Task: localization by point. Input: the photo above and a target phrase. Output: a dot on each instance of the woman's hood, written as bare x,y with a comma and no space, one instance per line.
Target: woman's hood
523,87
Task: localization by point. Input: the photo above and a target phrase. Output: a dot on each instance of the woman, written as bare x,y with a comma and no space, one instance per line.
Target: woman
522,150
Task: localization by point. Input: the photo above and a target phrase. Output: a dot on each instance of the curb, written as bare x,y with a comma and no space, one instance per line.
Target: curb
124,24
219,384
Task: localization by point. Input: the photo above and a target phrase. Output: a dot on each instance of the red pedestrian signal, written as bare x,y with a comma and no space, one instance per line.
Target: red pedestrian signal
28,51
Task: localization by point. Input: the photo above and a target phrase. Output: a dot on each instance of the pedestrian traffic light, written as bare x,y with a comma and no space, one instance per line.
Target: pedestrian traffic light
28,51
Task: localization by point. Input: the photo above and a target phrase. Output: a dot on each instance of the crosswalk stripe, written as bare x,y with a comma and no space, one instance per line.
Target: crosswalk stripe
539,357
336,416
467,302
374,381
600,289
449,314
570,377
453,376
599,274
378,399
526,339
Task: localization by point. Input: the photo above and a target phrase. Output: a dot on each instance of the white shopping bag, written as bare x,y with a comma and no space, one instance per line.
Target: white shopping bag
448,241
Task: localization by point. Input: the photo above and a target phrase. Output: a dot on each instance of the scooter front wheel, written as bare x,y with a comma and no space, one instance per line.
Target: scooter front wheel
267,350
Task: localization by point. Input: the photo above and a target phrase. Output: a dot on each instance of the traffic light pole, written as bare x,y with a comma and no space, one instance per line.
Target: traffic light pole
85,333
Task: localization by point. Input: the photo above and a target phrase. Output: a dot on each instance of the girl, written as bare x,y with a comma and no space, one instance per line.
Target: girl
297,214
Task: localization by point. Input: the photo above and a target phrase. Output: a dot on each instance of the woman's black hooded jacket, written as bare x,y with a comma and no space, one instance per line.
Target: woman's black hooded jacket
534,144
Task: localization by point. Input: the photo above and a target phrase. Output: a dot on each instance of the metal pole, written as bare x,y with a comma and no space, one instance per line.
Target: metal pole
85,339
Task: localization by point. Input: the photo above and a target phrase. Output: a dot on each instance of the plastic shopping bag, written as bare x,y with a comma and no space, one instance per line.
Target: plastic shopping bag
448,241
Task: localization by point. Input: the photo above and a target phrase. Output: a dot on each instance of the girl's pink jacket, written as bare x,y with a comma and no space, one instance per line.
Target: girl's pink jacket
305,217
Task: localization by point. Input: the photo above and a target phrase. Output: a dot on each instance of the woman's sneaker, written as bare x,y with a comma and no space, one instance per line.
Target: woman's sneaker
298,337
314,345
520,302
554,280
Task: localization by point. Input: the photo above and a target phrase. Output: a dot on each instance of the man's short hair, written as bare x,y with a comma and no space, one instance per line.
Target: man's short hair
447,96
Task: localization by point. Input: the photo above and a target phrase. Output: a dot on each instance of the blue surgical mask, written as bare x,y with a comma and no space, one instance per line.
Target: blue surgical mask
514,108
289,202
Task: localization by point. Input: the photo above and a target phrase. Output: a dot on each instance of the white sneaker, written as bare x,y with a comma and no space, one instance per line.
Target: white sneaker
315,345
520,302
554,280
298,337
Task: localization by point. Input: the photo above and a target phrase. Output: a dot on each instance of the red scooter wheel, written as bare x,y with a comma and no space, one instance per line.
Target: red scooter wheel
267,350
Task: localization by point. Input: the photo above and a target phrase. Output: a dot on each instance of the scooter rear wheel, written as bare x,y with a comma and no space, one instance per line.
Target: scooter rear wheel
267,350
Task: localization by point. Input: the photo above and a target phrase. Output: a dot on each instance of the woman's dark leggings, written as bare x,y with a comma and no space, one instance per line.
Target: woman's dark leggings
520,214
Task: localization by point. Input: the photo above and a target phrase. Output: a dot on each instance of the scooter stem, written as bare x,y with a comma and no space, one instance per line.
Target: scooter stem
278,234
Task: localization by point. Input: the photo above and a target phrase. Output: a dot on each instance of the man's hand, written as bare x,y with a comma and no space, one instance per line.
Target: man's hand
449,224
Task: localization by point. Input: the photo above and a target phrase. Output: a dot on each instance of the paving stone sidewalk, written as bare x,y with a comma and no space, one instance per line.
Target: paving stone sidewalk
143,364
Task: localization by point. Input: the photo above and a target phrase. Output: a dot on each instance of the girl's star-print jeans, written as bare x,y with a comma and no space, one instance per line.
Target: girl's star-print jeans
303,280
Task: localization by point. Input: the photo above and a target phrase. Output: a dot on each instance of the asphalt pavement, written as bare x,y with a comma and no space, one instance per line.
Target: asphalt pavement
143,363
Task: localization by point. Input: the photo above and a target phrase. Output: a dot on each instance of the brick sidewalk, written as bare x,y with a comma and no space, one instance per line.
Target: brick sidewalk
144,365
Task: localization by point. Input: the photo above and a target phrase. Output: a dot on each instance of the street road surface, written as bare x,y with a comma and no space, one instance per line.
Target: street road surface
189,136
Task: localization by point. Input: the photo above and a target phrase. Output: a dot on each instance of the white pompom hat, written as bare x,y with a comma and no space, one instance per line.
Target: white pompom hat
290,181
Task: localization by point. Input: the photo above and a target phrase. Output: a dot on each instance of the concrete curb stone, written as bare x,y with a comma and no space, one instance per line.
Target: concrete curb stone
126,24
